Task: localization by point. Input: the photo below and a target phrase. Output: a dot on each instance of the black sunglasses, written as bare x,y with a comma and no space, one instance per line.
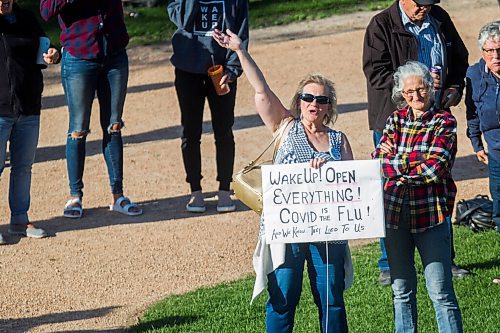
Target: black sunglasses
319,99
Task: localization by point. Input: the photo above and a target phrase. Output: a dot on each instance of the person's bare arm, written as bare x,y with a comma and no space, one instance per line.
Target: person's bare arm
346,151
268,106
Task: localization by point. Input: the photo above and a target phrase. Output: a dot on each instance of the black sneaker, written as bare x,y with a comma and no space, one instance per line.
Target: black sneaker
384,279
458,272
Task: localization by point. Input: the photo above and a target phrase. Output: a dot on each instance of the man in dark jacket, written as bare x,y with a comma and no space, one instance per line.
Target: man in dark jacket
21,85
411,30
482,100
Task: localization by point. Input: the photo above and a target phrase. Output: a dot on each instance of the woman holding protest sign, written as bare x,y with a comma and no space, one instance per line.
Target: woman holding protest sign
417,151
306,138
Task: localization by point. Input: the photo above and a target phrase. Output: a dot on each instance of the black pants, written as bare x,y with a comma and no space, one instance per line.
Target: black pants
192,90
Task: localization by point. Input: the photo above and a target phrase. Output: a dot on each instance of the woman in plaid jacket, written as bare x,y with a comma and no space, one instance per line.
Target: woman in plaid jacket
417,151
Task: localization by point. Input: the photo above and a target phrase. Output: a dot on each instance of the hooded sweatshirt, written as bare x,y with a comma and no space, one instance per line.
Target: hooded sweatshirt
192,42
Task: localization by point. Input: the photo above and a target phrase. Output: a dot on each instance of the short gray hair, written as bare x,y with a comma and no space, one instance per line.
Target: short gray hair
489,31
411,68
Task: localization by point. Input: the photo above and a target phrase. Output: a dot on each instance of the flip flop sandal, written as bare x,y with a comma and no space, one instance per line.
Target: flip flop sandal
69,210
117,207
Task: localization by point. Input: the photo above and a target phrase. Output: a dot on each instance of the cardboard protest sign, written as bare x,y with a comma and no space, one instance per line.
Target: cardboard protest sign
341,200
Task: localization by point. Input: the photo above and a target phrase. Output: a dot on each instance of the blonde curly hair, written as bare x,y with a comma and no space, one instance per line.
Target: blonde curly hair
331,114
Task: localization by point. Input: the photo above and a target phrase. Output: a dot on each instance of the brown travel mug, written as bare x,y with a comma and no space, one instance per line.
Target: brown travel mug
216,72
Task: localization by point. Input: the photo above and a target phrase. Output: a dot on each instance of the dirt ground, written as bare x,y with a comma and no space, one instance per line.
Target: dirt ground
97,274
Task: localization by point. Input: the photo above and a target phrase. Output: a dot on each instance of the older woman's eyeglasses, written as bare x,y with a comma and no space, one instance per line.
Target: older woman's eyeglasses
491,52
419,91
319,99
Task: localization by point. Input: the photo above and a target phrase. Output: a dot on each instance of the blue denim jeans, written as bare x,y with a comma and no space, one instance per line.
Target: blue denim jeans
383,263
494,173
285,287
22,134
81,80
433,246
452,245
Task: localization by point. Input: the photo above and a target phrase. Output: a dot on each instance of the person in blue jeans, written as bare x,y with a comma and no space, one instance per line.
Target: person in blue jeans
307,138
21,85
411,30
94,61
417,150
482,101
383,264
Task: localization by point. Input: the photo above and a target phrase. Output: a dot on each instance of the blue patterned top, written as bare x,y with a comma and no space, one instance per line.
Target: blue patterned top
297,149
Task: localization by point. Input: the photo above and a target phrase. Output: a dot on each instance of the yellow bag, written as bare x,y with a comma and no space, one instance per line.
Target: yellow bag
247,183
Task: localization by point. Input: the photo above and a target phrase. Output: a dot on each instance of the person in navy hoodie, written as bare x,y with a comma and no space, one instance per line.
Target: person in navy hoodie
21,86
194,51
483,108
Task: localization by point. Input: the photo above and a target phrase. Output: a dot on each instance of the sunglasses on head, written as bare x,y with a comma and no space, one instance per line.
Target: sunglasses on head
319,99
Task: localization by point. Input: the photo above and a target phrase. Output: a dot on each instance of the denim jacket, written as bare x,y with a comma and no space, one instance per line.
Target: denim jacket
483,109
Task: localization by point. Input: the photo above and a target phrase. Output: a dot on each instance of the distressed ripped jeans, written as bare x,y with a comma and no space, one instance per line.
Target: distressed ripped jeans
82,80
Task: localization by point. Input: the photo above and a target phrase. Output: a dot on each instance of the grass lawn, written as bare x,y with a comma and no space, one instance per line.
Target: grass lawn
226,308
153,26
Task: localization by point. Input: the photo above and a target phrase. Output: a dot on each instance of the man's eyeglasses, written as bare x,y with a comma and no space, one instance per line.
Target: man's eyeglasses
420,92
319,99
491,52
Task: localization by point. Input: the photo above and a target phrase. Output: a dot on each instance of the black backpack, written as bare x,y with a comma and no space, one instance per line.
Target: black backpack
476,213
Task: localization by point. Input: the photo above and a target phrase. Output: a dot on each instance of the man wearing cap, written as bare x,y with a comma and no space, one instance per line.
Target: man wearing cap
411,30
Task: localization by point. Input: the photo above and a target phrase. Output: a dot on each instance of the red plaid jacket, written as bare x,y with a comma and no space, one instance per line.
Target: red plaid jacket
424,152
90,29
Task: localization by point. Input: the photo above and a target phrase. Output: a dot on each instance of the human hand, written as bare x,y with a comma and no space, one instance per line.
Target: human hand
402,181
482,156
227,78
451,97
228,40
51,56
224,81
387,147
316,163
437,80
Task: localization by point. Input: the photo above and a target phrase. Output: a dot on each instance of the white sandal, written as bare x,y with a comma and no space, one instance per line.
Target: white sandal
117,207
68,209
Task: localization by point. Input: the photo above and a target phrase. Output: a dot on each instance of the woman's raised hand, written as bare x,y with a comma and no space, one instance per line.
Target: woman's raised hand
228,40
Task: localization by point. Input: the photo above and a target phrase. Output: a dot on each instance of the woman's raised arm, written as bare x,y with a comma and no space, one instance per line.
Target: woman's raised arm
268,106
